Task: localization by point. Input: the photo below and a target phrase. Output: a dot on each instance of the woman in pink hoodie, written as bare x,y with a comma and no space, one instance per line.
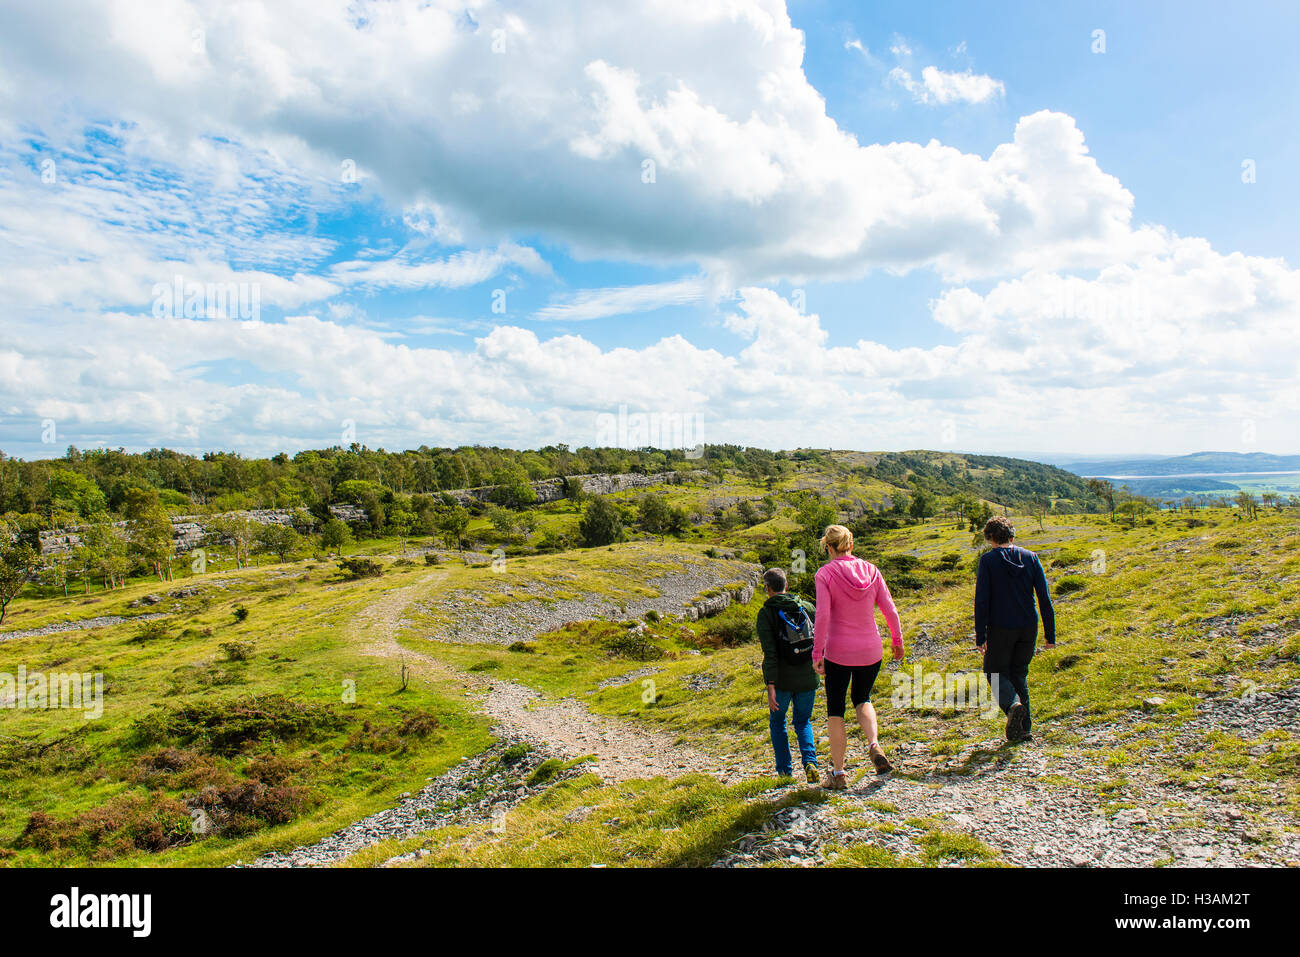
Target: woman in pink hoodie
847,647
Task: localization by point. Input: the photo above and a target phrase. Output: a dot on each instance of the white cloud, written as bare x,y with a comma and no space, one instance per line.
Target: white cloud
753,179
465,268
623,300
939,86
545,143
1182,347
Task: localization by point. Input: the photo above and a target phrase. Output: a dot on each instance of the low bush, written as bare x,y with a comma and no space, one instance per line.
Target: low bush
226,727
155,630
126,823
1070,583
355,568
237,650
633,644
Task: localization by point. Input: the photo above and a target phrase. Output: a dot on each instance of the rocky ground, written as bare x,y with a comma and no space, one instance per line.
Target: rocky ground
480,789
1040,805
58,627
523,618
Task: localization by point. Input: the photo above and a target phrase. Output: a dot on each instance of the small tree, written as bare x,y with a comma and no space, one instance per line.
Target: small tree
1105,491
1038,508
1246,502
335,535
922,506
18,565
601,523
280,539
451,525
239,530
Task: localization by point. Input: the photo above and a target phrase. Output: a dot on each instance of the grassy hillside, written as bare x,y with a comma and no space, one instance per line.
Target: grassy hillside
229,733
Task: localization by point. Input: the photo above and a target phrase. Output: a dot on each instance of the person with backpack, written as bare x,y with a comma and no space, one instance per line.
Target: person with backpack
847,647
1006,625
785,630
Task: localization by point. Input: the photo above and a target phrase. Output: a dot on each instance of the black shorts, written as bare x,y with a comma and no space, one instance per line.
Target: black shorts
839,678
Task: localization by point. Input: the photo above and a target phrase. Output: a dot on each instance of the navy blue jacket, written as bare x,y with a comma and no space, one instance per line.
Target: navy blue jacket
1005,585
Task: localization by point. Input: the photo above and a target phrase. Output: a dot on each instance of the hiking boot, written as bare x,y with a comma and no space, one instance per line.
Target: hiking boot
877,755
836,781
810,772
1016,722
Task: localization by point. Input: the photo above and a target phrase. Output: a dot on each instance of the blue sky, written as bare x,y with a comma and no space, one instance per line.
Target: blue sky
886,225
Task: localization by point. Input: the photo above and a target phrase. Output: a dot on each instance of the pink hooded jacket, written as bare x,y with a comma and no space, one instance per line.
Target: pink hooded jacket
844,630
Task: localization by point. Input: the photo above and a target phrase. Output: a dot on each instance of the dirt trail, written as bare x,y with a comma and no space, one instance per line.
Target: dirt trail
622,751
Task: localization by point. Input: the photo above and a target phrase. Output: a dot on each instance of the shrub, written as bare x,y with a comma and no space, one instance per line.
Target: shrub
151,631
355,568
1070,583
948,561
393,739
632,643
522,646
237,650
242,807
727,633
127,823
430,558
240,613
514,753
601,523
225,727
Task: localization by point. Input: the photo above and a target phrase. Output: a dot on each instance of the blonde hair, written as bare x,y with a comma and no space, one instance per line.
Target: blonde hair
837,539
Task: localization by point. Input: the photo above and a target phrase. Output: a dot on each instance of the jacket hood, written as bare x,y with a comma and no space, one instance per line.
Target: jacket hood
1012,560
783,600
856,577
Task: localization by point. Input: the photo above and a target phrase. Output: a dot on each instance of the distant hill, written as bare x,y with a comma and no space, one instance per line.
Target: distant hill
996,478
1198,463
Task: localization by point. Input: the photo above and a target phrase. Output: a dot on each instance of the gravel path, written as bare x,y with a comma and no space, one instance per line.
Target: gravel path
623,751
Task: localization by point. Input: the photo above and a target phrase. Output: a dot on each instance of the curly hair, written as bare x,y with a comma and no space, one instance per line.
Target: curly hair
998,530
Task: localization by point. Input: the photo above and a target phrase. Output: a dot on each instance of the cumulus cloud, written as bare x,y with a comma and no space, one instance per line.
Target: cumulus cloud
677,132
545,122
1175,346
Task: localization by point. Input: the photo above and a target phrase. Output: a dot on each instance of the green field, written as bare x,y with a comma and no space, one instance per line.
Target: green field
273,705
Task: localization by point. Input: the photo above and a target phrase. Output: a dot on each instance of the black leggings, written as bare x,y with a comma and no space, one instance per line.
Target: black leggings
838,678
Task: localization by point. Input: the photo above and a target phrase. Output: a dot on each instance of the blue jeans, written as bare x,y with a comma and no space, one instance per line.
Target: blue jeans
802,718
